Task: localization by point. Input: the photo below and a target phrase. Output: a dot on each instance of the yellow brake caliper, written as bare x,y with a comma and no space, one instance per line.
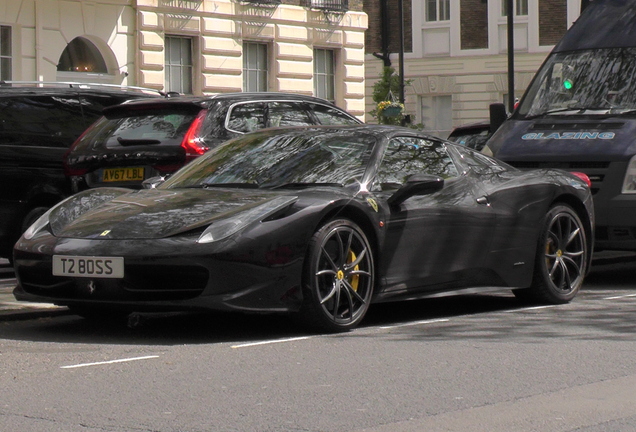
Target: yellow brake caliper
355,279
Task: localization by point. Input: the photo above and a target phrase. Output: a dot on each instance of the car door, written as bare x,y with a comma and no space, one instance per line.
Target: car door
515,204
436,241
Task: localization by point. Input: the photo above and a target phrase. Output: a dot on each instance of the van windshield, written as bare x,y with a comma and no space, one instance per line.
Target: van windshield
588,82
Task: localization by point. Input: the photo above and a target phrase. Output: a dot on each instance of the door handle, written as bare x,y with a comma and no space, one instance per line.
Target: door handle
483,200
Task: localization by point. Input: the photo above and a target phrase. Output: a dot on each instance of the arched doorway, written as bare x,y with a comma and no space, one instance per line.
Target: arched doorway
83,61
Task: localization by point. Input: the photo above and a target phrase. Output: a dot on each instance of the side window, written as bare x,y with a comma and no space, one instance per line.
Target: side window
287,114
406,156
47,121
330,116
479,163
247,117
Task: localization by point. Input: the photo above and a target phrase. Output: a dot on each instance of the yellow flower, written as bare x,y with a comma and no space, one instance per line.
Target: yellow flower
385,104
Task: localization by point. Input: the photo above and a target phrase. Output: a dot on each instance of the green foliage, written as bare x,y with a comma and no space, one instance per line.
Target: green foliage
389,83
386,90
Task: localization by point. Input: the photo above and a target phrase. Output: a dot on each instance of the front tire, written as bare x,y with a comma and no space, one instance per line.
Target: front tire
561,258
339,277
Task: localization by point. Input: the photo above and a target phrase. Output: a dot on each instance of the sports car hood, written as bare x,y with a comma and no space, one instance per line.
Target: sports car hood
152,213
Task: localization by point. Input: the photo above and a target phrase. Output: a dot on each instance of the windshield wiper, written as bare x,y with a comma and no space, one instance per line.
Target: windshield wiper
298,185
579,110
139,141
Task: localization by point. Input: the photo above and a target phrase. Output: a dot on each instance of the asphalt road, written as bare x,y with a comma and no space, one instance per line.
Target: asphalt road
472,363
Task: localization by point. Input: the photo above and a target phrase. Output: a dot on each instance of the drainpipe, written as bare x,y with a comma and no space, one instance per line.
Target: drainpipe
511,59
401,59
385,34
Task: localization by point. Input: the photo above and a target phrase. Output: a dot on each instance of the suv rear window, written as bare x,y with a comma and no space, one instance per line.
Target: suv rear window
143,129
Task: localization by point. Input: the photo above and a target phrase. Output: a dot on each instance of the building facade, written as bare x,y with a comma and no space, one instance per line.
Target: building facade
455,61
190,46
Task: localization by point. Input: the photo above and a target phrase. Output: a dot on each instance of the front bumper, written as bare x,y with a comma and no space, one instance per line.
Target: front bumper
171,274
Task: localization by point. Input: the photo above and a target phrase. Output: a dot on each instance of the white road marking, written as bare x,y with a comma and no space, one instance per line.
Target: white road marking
415,323
108,362
270,342
30,305
532,308
620,297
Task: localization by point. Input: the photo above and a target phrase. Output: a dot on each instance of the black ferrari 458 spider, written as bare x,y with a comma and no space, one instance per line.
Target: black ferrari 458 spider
319,222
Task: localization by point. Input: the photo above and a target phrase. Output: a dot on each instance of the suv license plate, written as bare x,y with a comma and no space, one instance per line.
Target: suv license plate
123,174
94,267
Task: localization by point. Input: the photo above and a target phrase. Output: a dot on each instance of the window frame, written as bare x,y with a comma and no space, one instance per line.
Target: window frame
439,8
6,58
260,71
520,8
184,68
328,90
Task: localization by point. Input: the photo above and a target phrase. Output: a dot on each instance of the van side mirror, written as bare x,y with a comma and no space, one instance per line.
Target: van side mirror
416,185
498,115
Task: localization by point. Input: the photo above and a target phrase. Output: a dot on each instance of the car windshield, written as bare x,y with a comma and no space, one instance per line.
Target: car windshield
584,82
277,160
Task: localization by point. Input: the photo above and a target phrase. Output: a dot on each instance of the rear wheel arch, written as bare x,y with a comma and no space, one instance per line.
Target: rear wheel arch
581,212
562,256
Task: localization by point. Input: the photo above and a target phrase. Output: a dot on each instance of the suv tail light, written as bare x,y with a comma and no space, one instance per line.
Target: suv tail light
192,142
69,171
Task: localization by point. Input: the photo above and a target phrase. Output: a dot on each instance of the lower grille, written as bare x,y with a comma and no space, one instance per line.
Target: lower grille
141,283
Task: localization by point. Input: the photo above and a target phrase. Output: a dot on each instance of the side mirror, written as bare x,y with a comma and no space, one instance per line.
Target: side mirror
153,182
416,185
498,115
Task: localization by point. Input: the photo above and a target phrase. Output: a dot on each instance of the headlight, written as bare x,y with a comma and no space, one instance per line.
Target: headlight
38,225
226,227
629,182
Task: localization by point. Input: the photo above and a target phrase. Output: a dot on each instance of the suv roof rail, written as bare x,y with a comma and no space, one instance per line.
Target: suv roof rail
80,85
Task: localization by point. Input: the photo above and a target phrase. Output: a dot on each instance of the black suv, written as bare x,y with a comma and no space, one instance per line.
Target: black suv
38,124
143,139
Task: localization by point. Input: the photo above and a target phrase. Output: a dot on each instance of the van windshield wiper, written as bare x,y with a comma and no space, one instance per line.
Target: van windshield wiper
579,110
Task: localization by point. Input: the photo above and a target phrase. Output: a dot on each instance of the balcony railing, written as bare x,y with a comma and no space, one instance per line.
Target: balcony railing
263,2
330,5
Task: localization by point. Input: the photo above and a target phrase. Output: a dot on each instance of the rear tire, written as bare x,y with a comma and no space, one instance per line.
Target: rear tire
339,277
561,258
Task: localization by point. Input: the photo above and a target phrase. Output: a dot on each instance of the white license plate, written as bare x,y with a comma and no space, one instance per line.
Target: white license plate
83,266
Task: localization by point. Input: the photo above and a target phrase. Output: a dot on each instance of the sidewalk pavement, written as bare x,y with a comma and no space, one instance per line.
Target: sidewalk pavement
11,309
